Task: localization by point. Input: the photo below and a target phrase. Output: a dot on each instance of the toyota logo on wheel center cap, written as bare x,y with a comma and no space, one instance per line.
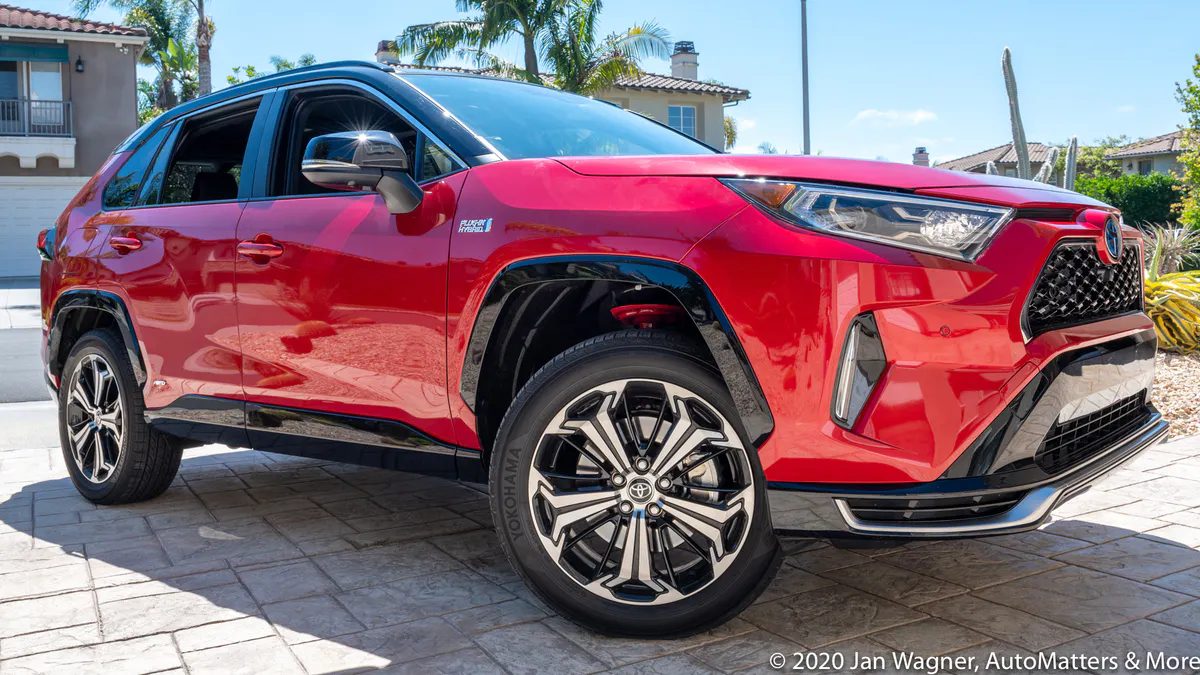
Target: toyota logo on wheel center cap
640,490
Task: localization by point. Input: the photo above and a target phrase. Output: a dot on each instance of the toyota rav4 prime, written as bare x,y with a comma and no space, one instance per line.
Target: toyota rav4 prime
656,355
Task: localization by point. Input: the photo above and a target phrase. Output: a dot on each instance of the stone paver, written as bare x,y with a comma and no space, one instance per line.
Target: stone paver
259,563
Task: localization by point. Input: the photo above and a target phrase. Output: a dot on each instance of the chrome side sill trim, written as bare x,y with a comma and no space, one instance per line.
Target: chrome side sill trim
1033,508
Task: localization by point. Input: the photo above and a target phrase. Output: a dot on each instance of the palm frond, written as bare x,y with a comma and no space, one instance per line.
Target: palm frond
433,42
642,41
605,73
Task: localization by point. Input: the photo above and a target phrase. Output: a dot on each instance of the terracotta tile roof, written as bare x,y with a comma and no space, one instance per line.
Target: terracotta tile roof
1167,144
656,82
1002,154
33,19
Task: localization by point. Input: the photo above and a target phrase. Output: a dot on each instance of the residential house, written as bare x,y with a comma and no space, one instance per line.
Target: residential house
1003,155
68,96
680,100
1153,155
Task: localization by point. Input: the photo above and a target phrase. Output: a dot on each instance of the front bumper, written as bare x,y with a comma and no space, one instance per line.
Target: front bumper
1084,415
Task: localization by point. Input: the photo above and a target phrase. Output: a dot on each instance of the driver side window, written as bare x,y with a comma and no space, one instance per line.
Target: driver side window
315,113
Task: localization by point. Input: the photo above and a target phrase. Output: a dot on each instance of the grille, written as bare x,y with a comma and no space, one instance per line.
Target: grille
1076,287
932,509
1079,438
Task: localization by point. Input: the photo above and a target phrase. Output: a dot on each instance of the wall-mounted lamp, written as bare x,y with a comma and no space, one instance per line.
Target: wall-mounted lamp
79,64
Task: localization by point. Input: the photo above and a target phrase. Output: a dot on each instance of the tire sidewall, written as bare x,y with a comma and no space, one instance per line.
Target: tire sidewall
99,343
550,391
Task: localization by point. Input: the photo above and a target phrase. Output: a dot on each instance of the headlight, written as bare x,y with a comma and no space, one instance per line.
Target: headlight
939,226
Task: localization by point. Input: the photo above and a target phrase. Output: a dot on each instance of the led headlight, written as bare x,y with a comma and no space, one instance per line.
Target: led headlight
939,226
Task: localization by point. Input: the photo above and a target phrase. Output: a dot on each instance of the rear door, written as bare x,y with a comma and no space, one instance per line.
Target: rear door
167,249
343,332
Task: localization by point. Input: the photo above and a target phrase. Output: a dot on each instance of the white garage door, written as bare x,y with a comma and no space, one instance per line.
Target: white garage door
27,205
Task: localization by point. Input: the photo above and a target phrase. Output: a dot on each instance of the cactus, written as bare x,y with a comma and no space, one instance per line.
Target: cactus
1014,111
1069,171
1047,170
991,169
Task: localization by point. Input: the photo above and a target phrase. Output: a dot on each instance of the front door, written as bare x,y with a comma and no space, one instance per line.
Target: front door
342,314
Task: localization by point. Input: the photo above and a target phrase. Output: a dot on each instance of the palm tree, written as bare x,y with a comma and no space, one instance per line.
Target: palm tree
497,21
179,64
585,65
560,34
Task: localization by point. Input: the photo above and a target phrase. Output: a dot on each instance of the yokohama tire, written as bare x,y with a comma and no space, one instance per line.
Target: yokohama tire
615,602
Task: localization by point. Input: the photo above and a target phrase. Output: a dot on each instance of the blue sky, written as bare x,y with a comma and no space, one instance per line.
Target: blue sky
885,75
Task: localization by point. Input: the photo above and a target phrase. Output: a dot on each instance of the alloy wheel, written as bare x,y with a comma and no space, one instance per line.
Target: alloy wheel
95,418
641,491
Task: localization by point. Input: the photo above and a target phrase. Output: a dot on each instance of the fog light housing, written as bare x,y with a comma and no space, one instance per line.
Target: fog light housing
859,369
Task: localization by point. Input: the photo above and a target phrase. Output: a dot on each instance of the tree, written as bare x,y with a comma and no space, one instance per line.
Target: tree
179,64
1188,94
731,132
586,65
242,73
497,22
557,36
768,148
204,32
1091,162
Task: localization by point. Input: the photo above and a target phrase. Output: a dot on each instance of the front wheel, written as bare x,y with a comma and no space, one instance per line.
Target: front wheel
625,492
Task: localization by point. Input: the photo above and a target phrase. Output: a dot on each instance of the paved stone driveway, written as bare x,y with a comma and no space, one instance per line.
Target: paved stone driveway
260,563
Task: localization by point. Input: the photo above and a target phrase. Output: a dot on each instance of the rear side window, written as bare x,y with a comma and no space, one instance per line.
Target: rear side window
207,162
122,190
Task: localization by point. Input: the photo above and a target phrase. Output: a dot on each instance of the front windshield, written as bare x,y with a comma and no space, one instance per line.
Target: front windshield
524,120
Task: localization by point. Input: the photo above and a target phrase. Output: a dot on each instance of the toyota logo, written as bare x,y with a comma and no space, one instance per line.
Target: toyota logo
1112,239
640,490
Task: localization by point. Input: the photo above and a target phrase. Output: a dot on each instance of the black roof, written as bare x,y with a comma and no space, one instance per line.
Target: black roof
380,76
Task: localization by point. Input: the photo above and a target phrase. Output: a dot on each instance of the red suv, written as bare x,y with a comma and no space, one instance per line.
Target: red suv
656,355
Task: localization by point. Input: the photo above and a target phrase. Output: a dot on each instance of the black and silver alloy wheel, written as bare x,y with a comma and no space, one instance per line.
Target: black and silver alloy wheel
95,418
111,452
625,492
641,491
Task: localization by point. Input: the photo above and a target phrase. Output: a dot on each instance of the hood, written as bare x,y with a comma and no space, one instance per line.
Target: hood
793,167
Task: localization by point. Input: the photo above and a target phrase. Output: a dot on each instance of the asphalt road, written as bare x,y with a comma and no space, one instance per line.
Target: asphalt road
21,366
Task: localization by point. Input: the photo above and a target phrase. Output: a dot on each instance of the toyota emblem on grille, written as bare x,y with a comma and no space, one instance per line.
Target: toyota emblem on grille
1112,240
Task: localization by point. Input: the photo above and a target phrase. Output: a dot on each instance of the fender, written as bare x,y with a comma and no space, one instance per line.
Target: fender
67,309
683,283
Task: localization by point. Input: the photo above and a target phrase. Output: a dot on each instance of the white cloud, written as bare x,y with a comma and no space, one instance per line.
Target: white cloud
747,124
1126,109
894,118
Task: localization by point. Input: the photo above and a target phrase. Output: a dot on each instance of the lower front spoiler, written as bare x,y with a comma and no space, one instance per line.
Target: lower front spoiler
825,510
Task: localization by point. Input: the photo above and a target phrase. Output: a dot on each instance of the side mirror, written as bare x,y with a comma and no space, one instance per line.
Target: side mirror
363,160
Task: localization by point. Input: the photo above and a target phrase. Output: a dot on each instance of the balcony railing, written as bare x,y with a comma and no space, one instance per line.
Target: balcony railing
26,117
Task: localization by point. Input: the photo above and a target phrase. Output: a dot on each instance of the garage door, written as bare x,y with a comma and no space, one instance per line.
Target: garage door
28,204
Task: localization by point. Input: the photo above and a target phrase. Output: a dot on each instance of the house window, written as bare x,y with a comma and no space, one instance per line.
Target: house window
1145,166
682,118
9,85
1012,173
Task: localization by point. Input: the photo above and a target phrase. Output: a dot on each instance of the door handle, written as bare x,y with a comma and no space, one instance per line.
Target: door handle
259,250
125,244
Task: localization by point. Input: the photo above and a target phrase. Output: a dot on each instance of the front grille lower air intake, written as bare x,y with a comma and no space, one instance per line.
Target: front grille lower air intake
932,509
1077,439
1076,287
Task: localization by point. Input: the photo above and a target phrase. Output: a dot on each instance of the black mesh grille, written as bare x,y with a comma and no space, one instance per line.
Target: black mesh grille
1076,287
932,509
1077,439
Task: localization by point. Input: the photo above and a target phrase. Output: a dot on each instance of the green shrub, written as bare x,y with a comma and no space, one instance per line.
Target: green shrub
1142,199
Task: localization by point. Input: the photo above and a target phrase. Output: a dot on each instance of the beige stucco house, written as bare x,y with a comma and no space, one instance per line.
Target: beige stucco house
1152,155
68,96
680,100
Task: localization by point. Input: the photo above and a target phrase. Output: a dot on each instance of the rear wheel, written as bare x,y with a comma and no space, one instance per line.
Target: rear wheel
627,495
111,453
